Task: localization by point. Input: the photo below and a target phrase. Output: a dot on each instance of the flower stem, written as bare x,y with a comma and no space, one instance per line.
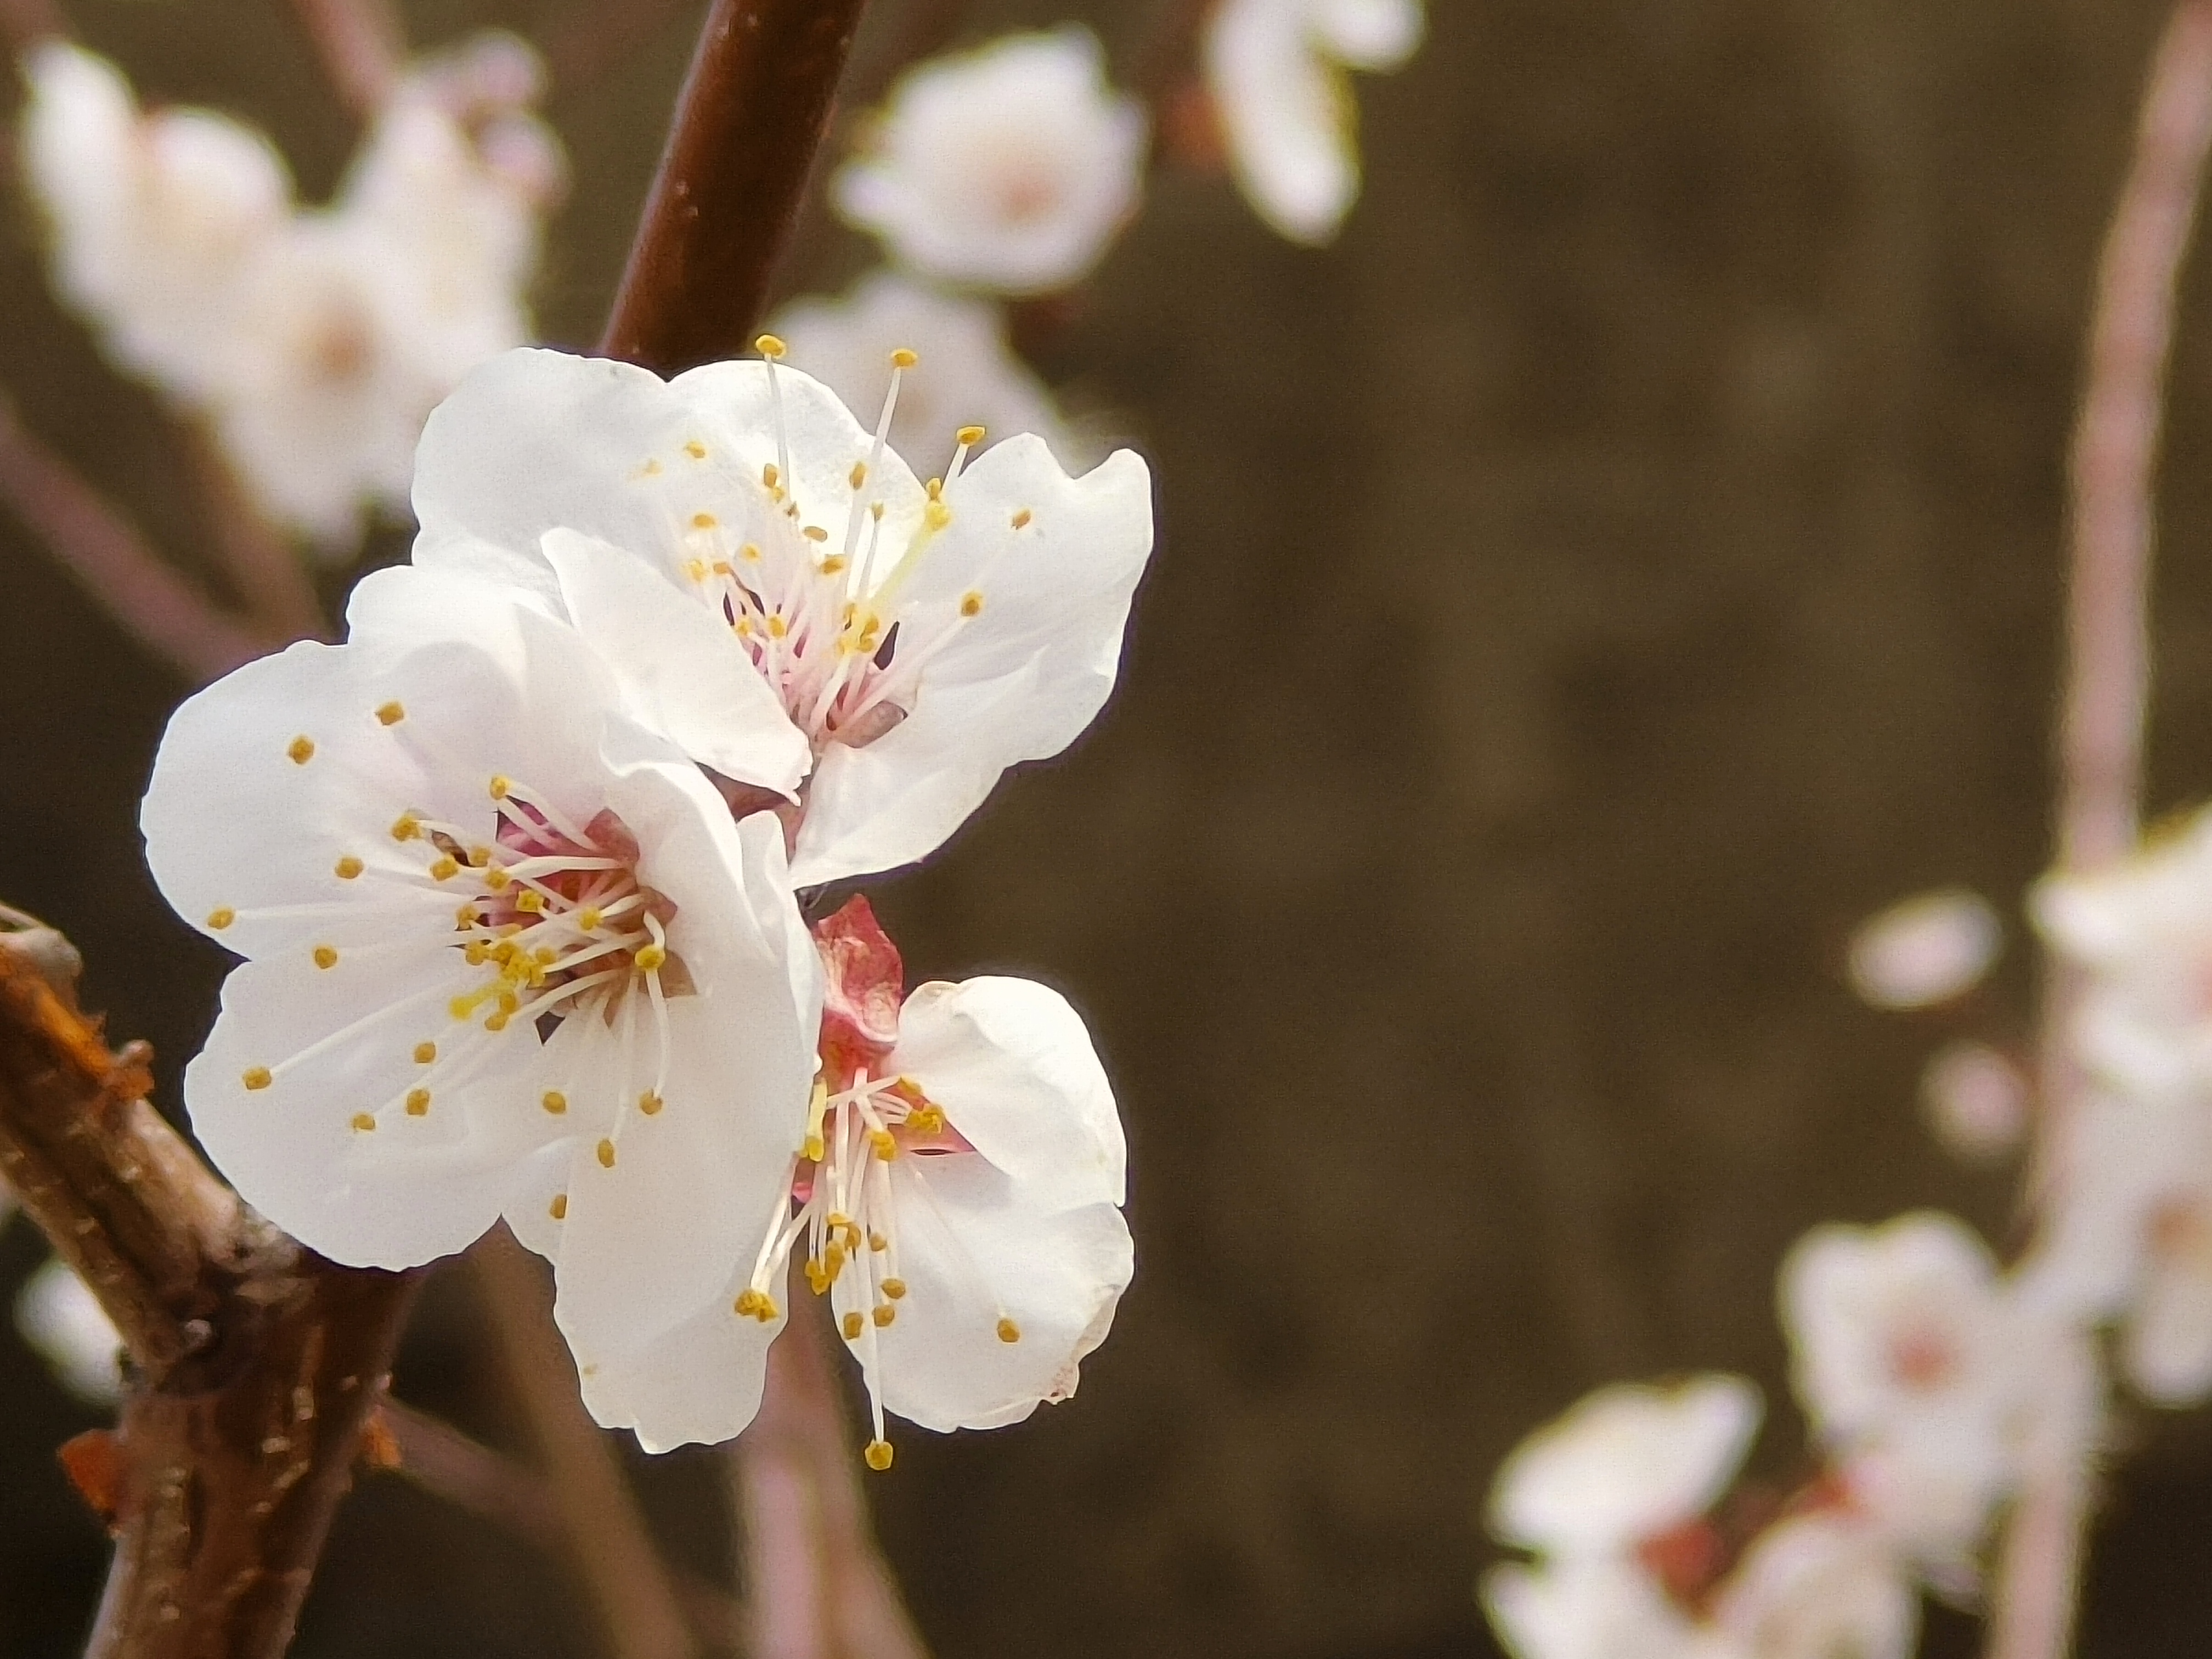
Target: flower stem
263,566
361,43
2103,706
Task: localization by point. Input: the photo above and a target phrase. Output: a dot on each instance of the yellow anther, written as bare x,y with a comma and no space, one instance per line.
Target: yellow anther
496,1022
406,827
696,569
743,627
886,1148
530,899
325,956
554,1102
222,917
833,1261
813,1150
859,475
878,1243
302,750
935,515
971,435
1023,519
650,1104
971,604
590,917
607,1154
755,1304
362,1122
418,1102
853,1324
771,476
902,358
833,564
1008,1331
934,489
497,878
777,628
749,552
425,1052
445,869
722,567
894,1288
508,1002
651,958
883,1314
479,856
255,1077
462,1007
929,1121
696,450
348,867
769,347
877,1456
704,521
816,1280
651,468
558,1209
475,953
545,955
464,915
391,715
876,511
815,532
500,785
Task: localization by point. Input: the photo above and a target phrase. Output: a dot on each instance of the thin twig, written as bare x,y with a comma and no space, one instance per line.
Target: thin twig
113,563
264,568
24,23
361,43
606,1536
2102,707
754,105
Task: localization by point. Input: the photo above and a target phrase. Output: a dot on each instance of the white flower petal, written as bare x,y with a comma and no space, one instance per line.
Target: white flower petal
1603,1609
1288,118
2167,1345
699,1383
540,1190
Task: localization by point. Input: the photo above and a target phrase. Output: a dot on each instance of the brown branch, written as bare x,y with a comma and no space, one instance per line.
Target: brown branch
2103,708
361,43
113,563
258,1363
263,566
603,1527
754,105
25,23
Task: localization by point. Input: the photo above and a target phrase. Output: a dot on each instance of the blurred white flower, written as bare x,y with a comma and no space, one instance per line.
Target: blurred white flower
1009,167
1976,1099
968,377
752,561
60,1316
1276,69
1925,950
1821,1586
1624,1465
1594,1609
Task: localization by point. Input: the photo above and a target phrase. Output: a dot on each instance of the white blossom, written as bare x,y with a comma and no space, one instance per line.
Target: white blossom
956,1197
1925,950
1276,70
1623,1465
748,557
60,1316
1595,1608
969,377
507,953
1820,1585
1976,1099
1009,167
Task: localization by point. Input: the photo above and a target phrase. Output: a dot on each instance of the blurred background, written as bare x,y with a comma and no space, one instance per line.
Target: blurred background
1626,559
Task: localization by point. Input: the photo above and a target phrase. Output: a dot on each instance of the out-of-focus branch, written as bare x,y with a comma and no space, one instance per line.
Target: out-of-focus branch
112,562
259,1363
590,37
24,23
2106,690
263,566
754,105
604,1530
361,43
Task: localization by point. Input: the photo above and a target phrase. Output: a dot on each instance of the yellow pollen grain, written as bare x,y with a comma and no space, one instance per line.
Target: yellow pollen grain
1023,519
302,750
391,715
651,468
904,358
894,1288
815,532
650,1104
425,1052
777,628
770,477
1009,1332
813,1150
696,450
500,785
877,1456
362,1122
853,1325
833,564
934,489
590,917
769,347
558,1209
971,604
445,869
530,899
497,878
859,475
886,1148
554,1102
349,867
465,916
696,569
222,917
936,515
704,521
652,958
749,552
755,1304
496,1022
418,1102
476,954
971,435
406,827
878,1243
607,1154
883,1315
325,956
255,1077
722,567
479,856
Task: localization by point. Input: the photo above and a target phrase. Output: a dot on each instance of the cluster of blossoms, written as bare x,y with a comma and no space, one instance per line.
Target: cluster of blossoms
313,342
1006,173
517,873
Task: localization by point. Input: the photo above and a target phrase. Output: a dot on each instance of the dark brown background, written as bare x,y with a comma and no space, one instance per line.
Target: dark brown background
1626,560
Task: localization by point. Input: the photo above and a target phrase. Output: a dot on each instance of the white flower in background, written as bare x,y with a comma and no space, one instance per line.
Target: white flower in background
1976,1099
1820,1585
956,1197
740,549
969,376
507,953
1276,69
60,1316
1589,1609
1926,949
1009,167
315,342
1624,1465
